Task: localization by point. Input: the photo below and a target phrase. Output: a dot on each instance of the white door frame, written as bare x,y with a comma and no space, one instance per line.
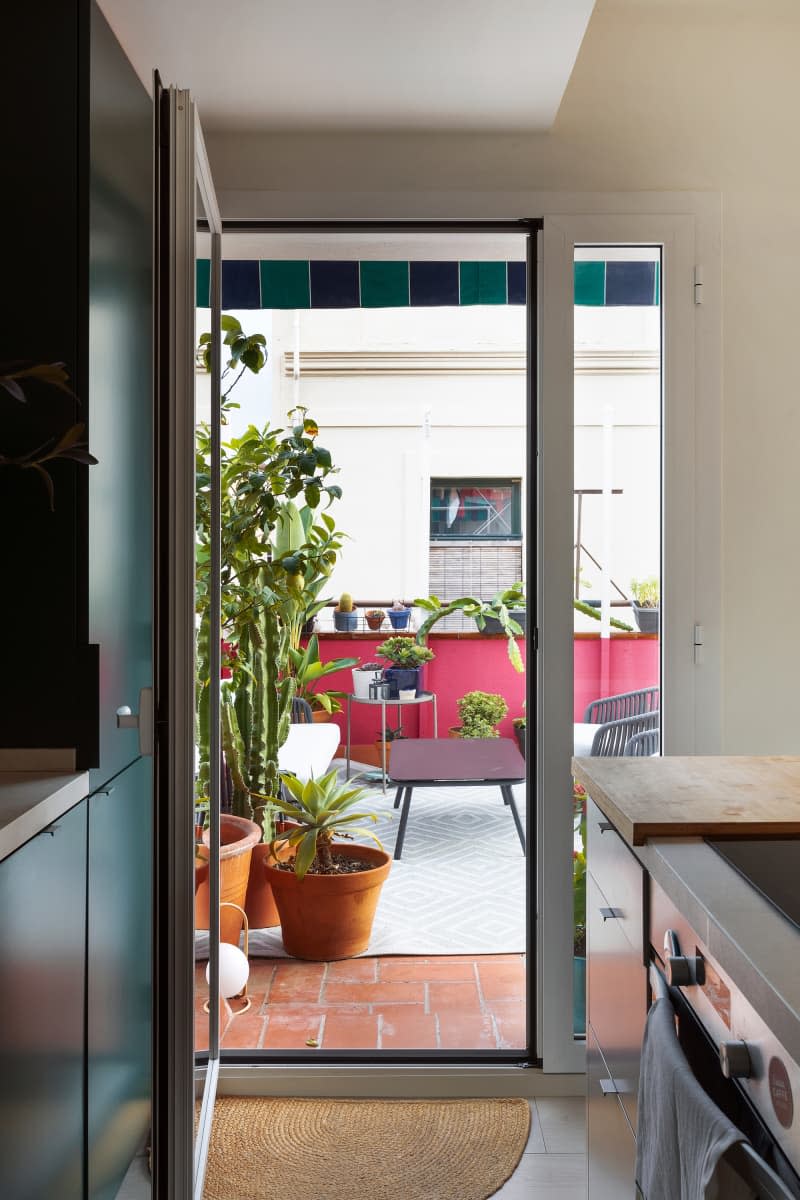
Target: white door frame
690,562
688,226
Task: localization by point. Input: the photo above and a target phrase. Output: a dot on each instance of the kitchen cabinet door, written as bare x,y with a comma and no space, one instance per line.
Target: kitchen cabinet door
42,968
119,978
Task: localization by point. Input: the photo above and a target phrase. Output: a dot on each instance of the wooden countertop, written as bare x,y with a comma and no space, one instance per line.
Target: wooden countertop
695,796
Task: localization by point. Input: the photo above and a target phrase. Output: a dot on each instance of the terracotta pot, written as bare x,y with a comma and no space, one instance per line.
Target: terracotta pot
375,622
454,731
326,917
238,836
259,904
379,747
320,714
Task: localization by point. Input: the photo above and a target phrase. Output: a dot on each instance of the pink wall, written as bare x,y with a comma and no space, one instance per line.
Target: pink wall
470,662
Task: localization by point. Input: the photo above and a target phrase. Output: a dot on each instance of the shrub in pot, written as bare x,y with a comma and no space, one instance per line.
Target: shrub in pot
328,894
407,657
480,714
520,732
645,603
384,745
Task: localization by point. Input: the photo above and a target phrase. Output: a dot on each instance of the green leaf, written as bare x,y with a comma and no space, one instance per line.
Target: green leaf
229,323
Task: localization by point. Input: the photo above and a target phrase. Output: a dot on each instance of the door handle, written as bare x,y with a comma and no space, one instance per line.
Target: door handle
610,914
616,1087
143,720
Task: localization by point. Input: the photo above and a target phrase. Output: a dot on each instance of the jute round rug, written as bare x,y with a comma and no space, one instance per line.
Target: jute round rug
274,1149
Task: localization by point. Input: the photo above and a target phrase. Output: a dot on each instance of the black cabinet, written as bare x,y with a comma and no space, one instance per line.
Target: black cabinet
42,1010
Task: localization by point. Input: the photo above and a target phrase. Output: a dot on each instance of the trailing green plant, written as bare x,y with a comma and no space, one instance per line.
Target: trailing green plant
498,607
321,808
65,444
645,592
404,651
589,611
480,713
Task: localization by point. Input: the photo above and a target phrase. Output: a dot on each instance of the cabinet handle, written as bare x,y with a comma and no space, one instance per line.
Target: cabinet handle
605,826
104,791
610,914
615,1087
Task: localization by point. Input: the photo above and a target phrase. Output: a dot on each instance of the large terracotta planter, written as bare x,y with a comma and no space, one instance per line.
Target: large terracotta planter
260,906
238,836
326,917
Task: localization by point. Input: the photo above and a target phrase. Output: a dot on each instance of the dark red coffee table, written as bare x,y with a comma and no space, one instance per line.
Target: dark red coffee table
454,762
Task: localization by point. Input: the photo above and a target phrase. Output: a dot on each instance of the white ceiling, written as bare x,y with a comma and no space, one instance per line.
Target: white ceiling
477,65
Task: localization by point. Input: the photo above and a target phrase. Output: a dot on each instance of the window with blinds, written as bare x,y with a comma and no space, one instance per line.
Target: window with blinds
472,568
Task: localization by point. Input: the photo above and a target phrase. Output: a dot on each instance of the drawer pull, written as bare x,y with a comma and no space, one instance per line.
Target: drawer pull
605,826
611,914
616,1087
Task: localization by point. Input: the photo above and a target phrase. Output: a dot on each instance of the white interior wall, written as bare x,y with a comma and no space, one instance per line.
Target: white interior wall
674,95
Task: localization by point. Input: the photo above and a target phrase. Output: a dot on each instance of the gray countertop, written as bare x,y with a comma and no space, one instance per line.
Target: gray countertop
32,800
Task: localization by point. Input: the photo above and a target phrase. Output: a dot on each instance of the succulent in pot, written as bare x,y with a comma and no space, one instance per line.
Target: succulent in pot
363,676
399,615
374,617
345,616
407,658
327,894
645,603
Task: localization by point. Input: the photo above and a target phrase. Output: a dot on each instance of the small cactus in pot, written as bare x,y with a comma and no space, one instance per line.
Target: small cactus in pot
345,617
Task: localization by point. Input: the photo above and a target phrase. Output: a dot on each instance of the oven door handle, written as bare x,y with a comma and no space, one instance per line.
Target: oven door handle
759,1175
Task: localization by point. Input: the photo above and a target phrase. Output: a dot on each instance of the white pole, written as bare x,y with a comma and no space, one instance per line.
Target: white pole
608,475
296,362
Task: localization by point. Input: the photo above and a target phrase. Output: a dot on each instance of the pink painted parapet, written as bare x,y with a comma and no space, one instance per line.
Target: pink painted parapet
471,662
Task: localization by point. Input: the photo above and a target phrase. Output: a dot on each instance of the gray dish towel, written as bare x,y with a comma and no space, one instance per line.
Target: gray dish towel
681,1135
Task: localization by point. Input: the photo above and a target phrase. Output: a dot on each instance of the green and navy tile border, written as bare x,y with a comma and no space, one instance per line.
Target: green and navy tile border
303,283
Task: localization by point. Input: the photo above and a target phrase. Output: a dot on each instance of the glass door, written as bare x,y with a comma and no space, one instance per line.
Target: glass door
184,194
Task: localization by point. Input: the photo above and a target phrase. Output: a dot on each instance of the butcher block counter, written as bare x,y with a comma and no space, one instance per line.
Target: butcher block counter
682,797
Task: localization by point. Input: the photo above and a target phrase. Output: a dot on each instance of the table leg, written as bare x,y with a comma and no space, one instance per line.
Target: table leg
401,833
435,717
397,797
508,798
383,743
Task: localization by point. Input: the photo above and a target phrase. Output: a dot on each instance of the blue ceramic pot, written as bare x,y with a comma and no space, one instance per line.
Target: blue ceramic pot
403,677
345,622
399,619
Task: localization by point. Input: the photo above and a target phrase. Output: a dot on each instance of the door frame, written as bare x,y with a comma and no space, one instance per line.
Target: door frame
580,216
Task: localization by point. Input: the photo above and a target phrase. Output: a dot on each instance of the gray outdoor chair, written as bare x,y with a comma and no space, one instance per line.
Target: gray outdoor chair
644,744
626,704
613,736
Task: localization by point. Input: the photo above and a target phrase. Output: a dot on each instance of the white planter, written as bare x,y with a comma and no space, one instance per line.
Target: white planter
362,680
407,693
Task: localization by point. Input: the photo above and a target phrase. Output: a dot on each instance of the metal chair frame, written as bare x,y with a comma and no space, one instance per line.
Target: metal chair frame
626,704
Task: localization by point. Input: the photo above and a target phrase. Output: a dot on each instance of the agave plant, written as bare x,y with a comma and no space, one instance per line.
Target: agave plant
320,808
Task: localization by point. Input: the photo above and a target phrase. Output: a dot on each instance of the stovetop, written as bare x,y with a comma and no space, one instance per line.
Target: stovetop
771,866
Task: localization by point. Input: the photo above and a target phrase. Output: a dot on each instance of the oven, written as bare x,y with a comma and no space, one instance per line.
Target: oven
737,1060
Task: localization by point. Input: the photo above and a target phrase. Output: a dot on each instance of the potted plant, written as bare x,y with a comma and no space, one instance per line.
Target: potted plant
407,657
480,714
374,618
520,727
237,838
579,912
345,617
328,893
399,615
308,670
645,602
384,745
499,607
363,676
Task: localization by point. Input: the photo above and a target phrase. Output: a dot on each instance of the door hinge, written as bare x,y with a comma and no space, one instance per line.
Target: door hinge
699,645
698,285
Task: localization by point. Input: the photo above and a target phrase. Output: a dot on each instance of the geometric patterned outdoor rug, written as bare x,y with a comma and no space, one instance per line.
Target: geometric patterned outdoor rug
459,887
273,1149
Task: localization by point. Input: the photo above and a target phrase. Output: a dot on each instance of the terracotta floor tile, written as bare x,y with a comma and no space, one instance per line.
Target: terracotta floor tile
350,1031
300,982
354,970
244,1031
502,981
510,1018
406,1027
466,1031
427,969
312,1010
291,1030
458,997
373,993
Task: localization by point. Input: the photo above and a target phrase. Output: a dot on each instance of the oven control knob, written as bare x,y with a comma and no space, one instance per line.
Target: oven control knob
680,971
735,1061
